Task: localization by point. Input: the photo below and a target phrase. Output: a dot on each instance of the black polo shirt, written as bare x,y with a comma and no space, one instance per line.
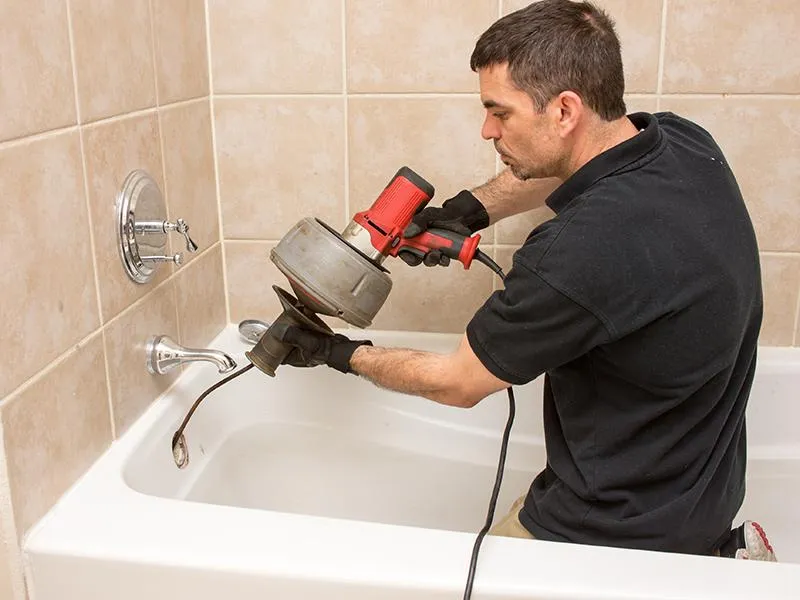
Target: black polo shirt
641,302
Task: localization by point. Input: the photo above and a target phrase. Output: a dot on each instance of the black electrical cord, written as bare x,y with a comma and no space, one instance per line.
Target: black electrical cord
501,463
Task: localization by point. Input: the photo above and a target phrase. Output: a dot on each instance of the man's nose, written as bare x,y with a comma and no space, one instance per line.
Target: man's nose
490,131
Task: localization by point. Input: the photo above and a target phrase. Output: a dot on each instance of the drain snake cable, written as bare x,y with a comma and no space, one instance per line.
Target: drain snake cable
473,563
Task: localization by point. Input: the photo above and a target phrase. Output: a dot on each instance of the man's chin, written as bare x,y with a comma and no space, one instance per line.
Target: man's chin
519,173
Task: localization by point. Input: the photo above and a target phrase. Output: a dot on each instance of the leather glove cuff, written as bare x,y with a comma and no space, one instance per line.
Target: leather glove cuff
341,352
471,211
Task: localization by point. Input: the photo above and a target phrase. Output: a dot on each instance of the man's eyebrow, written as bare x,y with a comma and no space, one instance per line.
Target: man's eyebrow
493,104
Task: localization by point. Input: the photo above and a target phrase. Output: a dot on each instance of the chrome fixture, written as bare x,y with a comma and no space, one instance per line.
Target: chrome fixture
164,353
142,228
251,330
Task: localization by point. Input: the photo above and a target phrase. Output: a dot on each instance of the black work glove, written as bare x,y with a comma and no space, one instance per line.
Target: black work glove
463,213
312,348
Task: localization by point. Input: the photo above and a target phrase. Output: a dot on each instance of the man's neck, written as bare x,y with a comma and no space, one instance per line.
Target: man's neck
597,137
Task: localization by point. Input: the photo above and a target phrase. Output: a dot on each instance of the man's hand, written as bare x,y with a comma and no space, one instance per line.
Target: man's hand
462,213
312,348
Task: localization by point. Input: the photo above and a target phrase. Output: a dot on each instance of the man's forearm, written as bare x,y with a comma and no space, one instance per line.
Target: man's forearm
505,195
412,372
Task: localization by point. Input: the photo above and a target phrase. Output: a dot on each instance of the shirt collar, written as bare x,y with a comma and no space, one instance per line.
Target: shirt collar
612,160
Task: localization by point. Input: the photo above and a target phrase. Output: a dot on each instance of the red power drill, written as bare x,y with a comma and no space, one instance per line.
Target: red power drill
378,231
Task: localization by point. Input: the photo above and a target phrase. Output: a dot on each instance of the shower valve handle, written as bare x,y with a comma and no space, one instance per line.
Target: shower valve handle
179,225
177,259
183,228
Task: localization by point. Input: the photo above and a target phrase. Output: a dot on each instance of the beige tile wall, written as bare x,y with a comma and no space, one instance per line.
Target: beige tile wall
91,90
314,116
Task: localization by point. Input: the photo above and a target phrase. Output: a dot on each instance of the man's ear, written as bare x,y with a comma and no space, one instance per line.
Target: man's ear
568,109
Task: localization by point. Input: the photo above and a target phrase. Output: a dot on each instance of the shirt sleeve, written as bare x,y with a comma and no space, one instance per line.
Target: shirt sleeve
530,327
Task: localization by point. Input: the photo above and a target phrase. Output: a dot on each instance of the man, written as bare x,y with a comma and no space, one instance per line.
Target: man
640,301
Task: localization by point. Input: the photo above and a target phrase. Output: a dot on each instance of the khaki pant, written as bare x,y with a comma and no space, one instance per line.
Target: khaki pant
509,526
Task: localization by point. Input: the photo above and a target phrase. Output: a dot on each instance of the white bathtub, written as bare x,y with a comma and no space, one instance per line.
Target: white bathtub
318,485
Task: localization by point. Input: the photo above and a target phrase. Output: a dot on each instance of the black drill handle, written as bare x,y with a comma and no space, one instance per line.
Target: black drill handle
451,244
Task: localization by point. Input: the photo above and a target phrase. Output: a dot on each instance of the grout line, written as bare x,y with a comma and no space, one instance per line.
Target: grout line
180,103
108,386
661,51
212,116
357,94
74,62
250,95
731,96
248,241
796,332
121,117
44,135
346,116
92,243
153,46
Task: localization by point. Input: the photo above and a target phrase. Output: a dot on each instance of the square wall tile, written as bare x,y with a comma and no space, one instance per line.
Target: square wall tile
113,149
191,189
638,26
414,45
54,430
439,138
635,104
436,299
747,46
277,46
200,292
251,275
37,93
279,160
781,284
179,27
133,389
113,57
49,299
503,256
515,229
759,139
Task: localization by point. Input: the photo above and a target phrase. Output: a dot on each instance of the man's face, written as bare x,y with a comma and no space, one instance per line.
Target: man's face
526,139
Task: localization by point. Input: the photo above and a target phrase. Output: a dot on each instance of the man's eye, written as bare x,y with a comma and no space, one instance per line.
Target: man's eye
501,115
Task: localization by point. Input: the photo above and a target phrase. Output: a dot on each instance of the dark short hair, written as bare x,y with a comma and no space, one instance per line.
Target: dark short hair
557,45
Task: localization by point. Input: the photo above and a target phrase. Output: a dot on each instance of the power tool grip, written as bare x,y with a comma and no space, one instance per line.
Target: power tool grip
451,244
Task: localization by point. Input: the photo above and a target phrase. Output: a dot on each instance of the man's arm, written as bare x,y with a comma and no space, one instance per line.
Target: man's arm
457,379
505,195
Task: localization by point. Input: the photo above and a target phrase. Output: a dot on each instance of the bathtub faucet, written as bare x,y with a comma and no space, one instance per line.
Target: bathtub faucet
163,354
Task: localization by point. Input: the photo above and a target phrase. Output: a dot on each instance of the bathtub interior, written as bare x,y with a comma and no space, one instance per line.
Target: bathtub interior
315,442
